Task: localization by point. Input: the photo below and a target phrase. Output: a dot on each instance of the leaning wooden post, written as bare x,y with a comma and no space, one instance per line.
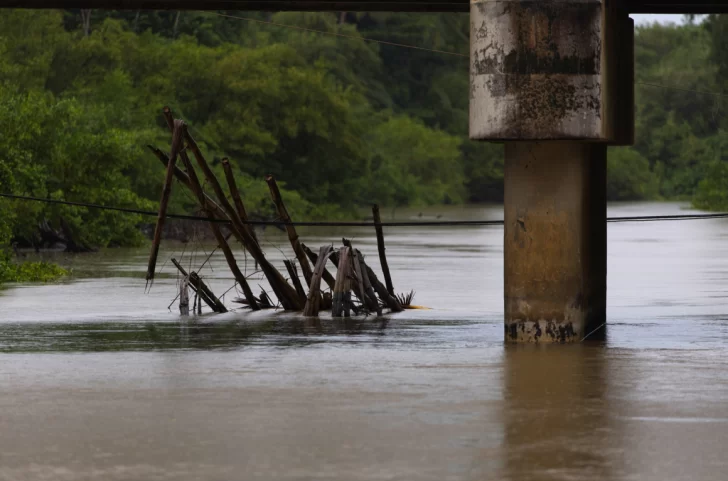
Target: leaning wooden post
219,306
342,290
354,281
237,200
184,179
285,292
367,285
229,257
313,302
382,249
202,290
290,229
369,303
381,289
327,277
294,278
254,250
177,136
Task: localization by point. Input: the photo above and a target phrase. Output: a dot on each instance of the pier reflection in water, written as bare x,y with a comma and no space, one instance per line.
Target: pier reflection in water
100,382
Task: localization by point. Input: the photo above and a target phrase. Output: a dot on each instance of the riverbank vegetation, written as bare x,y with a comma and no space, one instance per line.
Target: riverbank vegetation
340,121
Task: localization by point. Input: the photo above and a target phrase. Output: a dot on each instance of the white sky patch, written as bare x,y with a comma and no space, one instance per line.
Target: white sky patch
646,19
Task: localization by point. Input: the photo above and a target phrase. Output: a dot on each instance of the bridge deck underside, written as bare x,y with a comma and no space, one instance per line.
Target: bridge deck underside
633,6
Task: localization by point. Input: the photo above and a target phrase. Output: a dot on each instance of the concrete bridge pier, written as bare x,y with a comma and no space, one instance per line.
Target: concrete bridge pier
553,80
555,240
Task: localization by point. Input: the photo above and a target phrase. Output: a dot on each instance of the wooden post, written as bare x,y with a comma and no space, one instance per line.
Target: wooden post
265,300
380,288
285,292
177,132
313,303
222,242
342,290
237,200
359,282
354,281
290,229
182,176
201,288
370,304
290,266
184,298
327,277
382,249
368,289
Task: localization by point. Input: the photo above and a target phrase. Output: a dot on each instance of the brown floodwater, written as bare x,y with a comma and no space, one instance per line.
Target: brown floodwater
99,380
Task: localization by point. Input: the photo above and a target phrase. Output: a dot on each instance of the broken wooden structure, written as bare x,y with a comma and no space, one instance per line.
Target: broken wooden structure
353,274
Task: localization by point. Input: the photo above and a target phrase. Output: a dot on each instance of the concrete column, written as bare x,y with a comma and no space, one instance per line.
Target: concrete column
555,241
553,79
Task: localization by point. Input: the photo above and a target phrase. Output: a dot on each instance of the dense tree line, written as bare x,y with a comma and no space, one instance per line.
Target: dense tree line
341,121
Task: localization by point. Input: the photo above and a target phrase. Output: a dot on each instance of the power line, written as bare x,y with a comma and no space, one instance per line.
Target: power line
444,223
681,89
444,52
334,34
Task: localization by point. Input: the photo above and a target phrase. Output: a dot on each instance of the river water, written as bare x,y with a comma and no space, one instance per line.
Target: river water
99,380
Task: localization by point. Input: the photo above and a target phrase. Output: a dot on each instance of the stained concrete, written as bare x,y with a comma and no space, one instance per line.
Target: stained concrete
555,241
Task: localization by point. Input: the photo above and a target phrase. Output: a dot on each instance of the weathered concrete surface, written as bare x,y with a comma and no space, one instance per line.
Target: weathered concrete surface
555,240
547,69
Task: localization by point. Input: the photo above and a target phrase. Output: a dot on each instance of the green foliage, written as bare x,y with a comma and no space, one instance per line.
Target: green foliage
712,192
341,122
30,272
411,163
629,176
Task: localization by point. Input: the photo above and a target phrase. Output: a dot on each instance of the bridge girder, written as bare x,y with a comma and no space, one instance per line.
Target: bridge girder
422,6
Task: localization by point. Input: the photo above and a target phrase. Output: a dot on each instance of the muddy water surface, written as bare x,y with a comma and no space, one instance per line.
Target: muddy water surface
99,380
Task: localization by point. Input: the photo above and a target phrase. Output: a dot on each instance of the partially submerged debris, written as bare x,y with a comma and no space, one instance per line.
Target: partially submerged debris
353,275
201,288
406,299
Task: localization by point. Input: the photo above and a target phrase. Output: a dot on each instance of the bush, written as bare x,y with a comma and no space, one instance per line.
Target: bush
629,176
30,272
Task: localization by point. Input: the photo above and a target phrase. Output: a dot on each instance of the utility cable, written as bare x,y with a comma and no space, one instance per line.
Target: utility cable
443,52
443,223
334,34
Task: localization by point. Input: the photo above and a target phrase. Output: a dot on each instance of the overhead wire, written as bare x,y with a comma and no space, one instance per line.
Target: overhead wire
370,224
335,34
437,223
415,47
